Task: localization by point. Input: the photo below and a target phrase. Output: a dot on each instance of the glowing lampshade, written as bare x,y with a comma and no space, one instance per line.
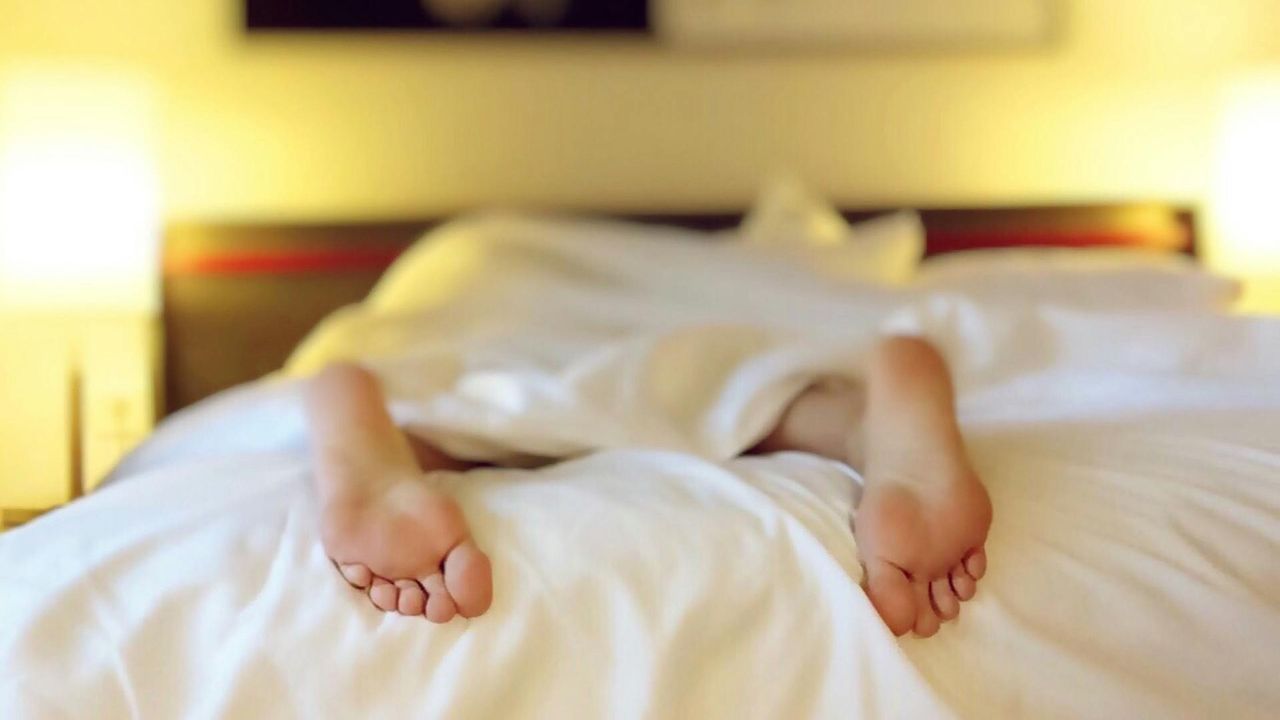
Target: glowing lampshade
1246,195
79,208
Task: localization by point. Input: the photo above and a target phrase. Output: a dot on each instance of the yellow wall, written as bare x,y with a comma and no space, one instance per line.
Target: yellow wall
1123,105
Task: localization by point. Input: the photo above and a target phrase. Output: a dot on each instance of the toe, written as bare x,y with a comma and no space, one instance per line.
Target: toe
945,602
962,583
358,575
890,592
927,622
413,599
469,579
384,595
976,564
440,604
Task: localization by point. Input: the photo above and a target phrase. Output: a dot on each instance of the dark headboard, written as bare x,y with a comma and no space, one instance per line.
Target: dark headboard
239,296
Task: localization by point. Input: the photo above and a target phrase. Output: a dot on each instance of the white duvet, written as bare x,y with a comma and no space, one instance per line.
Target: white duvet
1133,460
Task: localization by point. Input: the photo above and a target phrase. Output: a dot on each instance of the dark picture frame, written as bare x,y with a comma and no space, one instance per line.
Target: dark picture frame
449,16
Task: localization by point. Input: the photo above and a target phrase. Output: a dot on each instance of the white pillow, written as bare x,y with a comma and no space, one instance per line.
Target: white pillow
786,214
1094,278
787,218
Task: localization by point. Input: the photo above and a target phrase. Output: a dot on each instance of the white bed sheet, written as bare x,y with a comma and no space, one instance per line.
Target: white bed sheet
202,591
1133,574
1133,460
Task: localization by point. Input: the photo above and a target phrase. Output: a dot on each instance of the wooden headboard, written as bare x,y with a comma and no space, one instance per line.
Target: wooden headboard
239,297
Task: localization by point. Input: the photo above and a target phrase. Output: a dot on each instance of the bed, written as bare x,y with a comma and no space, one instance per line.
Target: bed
1132,452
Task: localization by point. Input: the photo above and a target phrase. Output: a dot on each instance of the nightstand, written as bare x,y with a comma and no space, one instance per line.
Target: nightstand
76,394
1261,296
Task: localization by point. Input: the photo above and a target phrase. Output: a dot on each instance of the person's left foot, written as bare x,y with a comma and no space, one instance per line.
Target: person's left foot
405,542
921,541
922,521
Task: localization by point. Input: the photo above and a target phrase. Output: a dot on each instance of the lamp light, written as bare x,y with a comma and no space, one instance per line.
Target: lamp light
79,212
1245,202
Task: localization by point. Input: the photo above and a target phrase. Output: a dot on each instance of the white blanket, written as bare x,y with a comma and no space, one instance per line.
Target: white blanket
1133,459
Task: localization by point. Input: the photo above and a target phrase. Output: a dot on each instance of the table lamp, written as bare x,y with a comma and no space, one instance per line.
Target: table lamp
79,229
1245,202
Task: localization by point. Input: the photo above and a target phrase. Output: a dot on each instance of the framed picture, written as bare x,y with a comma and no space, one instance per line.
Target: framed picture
537,16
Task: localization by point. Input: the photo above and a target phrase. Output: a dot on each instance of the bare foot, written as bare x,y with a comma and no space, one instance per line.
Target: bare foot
388,527
407,544
924,515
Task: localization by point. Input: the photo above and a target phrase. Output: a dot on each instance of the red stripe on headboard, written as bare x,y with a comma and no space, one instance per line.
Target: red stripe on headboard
942,241
283,262
366,259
